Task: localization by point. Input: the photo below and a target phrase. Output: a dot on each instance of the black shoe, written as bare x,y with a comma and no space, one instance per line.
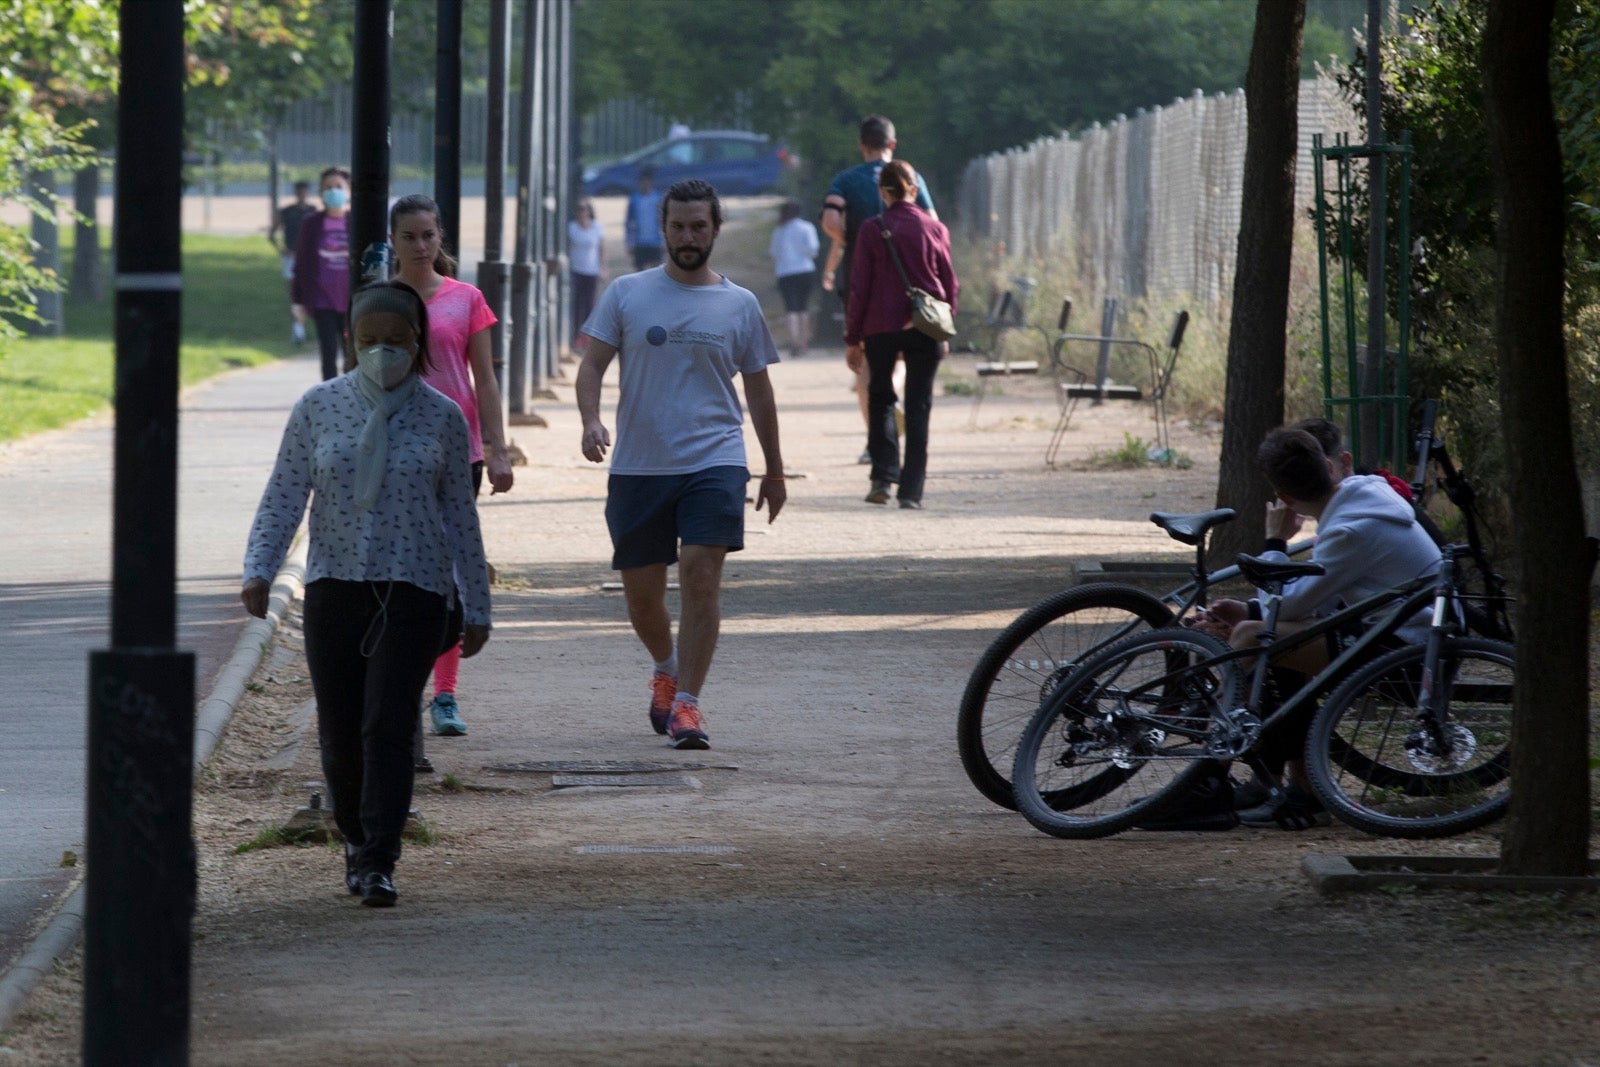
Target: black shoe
352,877
879,494
422,765
1249,794
1295,810
377,890
911,505
1207,805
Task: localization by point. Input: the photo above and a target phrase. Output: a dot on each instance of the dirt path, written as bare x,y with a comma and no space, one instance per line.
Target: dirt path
845,896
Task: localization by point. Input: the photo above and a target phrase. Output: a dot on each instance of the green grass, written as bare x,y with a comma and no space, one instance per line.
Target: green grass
235,314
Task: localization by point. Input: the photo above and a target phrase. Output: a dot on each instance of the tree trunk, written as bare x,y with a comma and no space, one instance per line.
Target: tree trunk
47,256
1253,403
88,269
1548,831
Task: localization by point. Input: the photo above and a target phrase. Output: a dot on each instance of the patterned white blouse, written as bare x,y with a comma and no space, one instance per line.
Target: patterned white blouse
424,527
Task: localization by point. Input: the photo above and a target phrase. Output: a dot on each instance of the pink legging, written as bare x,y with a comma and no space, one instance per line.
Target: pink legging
446,669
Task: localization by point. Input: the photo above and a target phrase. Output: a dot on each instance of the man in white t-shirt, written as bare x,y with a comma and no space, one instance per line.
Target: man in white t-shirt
678,473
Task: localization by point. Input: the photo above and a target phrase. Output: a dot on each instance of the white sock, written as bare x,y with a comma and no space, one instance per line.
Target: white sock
669,666
687,698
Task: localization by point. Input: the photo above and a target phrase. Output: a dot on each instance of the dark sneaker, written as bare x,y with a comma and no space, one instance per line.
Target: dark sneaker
446,716
1249,794
1297,810
911,505
377,890
663,688
352,877
879,494
866,457
687,727
1206,805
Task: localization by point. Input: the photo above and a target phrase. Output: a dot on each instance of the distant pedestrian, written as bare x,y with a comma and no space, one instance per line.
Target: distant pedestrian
288,219
320,287
852,199
586,254
678,474
462,368
384,461
794,248
641,229
878,329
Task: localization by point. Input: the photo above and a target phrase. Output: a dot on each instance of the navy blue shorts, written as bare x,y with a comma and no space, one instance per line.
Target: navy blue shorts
649,514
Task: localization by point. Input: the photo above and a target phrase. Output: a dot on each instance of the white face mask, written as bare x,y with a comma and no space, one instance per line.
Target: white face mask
385,365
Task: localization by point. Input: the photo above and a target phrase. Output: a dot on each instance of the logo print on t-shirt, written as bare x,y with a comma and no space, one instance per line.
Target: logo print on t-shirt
656,335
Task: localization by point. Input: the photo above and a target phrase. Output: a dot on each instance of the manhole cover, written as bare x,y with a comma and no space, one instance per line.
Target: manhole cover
651,781
602,766
654,850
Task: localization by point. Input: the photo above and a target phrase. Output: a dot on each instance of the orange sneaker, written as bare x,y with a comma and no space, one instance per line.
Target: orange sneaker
663,687
686,727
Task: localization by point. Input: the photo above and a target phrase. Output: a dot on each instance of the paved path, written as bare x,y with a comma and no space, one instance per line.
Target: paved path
55,564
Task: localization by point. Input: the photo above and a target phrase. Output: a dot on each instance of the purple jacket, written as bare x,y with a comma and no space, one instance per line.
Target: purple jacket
306,287
878,301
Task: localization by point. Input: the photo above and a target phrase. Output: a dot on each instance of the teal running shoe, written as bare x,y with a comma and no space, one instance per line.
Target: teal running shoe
446,716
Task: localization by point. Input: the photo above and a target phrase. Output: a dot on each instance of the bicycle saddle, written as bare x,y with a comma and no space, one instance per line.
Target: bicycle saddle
1191,528
1264,572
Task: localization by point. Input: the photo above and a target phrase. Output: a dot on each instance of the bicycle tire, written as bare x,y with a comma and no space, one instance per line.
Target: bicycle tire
1004,690
1106,736
1377,767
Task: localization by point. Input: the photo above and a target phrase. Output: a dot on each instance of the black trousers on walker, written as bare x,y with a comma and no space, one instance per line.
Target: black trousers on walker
370,647
883,436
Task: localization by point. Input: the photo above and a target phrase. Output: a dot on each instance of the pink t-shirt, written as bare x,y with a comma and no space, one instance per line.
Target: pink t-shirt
456,312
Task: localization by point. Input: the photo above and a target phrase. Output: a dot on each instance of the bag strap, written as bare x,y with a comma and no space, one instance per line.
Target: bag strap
883,228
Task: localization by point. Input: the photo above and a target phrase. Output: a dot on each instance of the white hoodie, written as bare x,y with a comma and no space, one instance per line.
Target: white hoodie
1369,540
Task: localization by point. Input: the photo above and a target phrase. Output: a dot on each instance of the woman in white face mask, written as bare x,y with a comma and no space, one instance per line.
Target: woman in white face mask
320,288
385,463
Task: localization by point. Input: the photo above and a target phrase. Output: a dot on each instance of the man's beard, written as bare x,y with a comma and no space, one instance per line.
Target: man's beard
690,259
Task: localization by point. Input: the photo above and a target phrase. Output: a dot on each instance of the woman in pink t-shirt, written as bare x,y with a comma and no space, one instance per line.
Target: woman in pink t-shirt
463,369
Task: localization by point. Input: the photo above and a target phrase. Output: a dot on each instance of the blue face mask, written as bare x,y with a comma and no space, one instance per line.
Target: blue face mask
334,199
386,365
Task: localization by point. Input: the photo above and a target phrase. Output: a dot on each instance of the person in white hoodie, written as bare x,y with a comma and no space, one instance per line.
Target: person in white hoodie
1368,541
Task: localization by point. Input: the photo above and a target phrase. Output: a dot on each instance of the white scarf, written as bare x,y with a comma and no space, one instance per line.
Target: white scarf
373,458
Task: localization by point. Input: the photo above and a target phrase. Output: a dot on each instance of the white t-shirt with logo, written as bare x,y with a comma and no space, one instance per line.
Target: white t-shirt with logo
680,348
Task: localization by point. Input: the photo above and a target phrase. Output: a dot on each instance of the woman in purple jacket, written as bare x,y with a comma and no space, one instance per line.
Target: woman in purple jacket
320,289
878,329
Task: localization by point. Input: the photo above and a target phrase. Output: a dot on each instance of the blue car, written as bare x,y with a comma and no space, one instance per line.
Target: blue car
737,163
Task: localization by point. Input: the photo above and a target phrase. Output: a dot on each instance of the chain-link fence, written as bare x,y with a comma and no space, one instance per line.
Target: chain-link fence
1146,206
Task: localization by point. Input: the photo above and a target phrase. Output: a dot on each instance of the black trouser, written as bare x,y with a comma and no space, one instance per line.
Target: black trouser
330,338
584,287
883,436
370,647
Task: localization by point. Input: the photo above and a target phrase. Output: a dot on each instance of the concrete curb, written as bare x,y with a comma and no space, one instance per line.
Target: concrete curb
61,934
1364,874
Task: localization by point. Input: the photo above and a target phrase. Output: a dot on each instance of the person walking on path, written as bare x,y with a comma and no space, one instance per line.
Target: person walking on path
288,219
641,230
793,249
878,328
678,473
320,288
463,370
586,251
384,460
852,198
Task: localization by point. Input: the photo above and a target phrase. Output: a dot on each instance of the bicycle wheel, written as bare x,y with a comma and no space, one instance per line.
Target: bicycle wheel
1028,660
1123,735
1380,766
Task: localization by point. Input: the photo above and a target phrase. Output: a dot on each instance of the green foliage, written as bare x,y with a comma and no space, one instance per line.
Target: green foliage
958,77
1433,90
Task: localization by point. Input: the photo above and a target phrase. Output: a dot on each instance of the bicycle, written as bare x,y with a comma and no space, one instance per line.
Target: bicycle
1412,742
1032,655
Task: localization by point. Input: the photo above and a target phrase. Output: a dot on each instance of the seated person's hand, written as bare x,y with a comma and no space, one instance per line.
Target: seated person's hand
1283,522
1220,619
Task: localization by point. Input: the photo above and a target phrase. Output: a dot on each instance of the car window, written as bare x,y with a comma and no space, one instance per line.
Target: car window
735,149
676,154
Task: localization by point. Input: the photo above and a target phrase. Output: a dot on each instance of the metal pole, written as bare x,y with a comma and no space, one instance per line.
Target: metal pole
1372,383
140,886
369,141
565,178
522,269
447,123
493,270
543,244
